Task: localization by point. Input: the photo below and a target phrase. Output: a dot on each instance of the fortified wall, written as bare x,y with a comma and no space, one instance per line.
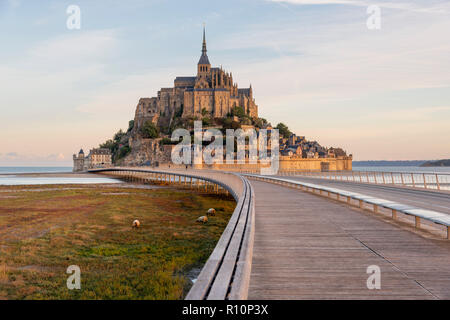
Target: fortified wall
289,164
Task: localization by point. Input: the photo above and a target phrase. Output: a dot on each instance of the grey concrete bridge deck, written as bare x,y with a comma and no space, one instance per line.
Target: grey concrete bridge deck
308,247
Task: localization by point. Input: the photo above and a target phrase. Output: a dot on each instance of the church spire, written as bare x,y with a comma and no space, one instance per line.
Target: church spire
204,57
204,42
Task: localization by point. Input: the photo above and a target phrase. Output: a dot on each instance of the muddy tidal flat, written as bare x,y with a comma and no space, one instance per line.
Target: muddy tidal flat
44,229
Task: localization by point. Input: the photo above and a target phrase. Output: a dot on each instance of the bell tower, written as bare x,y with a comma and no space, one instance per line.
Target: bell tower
203,66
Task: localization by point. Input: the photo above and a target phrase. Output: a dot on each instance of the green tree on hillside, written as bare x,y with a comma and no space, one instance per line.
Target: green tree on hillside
118,145
119,134
130,125
109,144
238,112
283,130
260,123
124,151
149,130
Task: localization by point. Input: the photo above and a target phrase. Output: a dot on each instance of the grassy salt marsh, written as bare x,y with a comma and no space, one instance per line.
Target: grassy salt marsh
45,229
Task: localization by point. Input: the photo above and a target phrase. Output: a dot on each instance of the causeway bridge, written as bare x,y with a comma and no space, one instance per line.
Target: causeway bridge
305,237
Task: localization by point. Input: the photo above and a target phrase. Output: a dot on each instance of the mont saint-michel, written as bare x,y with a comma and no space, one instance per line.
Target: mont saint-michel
211,92
212,97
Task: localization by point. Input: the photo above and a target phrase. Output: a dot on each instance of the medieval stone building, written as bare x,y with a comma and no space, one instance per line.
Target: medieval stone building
212,91
97,158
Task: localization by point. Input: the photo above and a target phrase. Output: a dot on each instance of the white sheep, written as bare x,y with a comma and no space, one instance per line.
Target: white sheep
211,212
136,224
203,219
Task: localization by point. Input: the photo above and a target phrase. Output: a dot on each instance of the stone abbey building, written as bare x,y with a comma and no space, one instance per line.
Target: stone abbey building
212,90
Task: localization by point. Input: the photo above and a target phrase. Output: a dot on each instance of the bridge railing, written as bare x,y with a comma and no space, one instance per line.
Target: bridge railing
226,273
426,180
362,201
199,183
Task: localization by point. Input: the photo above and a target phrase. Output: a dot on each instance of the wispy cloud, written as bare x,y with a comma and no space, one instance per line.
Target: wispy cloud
42,86
346,63
118,98
422,6
14,3
51,68
19,158
76,47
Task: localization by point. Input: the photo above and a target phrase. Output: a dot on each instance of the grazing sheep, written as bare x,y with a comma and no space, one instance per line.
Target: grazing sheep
211,212
203,219
136,224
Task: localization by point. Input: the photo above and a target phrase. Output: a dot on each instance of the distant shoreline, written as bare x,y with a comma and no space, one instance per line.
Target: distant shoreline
402,163
53,174
388,163
437,163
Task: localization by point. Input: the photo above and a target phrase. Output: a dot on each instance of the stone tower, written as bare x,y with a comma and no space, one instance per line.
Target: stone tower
78,161
203,66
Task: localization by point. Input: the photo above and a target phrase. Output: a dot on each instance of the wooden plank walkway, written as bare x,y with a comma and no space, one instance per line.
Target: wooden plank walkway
308,247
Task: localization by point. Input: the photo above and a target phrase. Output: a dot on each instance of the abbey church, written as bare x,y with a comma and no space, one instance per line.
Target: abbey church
211,91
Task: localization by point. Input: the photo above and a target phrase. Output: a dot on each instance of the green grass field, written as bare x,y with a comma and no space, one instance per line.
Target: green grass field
45,229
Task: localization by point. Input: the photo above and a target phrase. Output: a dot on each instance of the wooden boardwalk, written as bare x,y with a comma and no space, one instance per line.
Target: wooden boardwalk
308,247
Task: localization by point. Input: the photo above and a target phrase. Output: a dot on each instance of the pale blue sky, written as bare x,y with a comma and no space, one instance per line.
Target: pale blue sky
380,94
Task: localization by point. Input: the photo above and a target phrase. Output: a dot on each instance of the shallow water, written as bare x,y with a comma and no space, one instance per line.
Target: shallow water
413,169
34,169
11,180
